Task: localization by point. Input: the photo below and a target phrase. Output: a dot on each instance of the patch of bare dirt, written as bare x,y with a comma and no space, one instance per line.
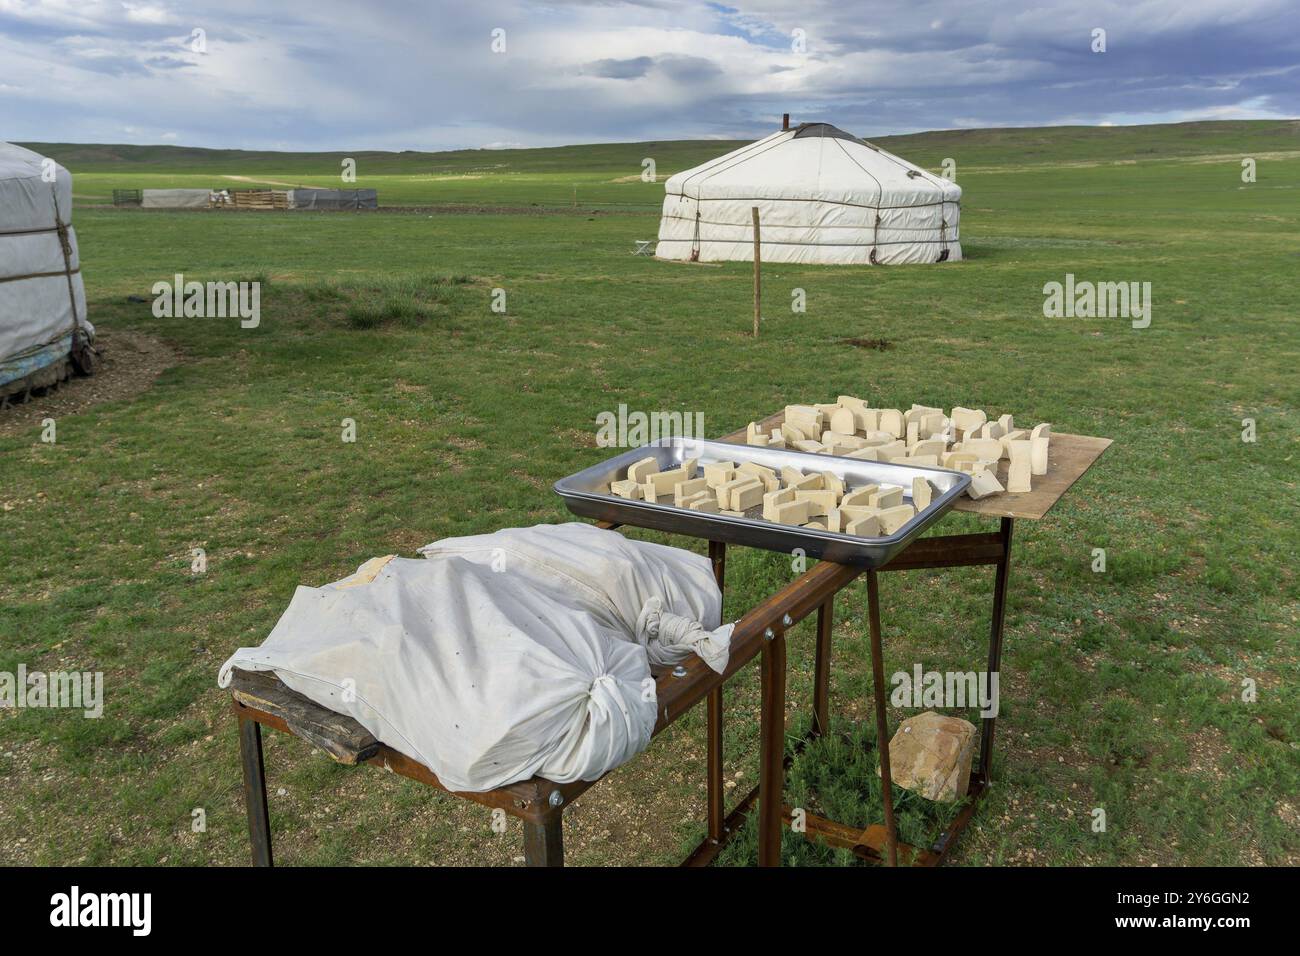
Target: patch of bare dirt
860,342
471,209
577,438
267,182
130,362
636,178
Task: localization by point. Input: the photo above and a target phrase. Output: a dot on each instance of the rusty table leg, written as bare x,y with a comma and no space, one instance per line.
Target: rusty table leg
882,724
771,767
995,644
822,669
544,841
717,811
718,557
259,819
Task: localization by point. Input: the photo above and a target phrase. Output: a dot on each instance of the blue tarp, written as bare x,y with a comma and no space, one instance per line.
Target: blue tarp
20,366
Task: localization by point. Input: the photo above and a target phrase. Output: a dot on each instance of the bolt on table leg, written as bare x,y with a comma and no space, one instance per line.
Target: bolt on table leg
882,725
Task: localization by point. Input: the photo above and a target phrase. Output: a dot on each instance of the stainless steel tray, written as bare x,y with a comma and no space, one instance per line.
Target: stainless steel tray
586,494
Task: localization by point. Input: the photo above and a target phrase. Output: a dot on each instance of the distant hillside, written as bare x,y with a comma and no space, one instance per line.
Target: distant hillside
1035,145
91,158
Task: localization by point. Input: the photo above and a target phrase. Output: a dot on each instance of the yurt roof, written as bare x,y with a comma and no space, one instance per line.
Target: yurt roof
17,162
814,161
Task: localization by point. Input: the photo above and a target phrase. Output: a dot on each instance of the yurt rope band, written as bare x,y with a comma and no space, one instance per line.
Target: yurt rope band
44,275
831,202
30,232
65,243
40,275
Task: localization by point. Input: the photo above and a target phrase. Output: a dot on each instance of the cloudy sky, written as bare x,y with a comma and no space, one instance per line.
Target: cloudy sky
402,74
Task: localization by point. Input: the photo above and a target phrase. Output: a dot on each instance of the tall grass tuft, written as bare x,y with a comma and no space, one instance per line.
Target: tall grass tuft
401,301
836,777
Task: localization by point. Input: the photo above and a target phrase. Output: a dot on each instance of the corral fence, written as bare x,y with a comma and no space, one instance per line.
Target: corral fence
248,199
257,199
337,199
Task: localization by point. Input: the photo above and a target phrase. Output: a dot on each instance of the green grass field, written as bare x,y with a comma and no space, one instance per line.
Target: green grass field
1120,690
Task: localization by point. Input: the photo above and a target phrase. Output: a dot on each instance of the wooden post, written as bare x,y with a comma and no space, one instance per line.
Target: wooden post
758,273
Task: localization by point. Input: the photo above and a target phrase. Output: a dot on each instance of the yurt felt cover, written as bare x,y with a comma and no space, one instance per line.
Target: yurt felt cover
823,195
42,297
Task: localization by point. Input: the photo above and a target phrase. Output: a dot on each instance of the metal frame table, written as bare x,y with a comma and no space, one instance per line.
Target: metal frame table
1068,458
260,700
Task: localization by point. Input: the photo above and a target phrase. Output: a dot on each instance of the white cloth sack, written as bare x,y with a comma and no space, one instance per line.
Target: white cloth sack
503,656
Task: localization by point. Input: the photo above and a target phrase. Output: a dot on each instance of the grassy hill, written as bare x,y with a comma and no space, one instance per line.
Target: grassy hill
608,173
1028,144
93,158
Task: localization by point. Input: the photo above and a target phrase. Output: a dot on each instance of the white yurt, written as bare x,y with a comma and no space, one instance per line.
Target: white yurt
43,326
823,196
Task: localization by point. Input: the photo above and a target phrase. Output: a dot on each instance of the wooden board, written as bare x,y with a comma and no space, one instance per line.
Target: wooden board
262,697
1068,457
337,734
259,199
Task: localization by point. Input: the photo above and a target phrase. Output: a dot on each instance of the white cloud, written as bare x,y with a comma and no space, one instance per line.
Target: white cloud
147,13
412,74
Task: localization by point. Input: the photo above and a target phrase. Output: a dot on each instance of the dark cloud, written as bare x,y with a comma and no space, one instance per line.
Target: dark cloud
167,63
689,69
620,69
681,68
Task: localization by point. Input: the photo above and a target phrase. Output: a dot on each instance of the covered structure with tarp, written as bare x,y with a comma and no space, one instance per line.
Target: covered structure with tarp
823,196
43,325
333,199
176,198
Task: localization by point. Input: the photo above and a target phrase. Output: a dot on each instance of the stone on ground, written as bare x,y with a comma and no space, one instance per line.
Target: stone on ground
931,755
